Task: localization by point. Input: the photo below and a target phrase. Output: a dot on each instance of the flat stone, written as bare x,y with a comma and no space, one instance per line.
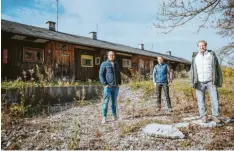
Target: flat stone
162,130
184,125
227,120
208,124
196,120
190,118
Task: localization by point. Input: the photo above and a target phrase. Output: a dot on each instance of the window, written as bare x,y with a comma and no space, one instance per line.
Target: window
126,63
33,55
97,61
86,61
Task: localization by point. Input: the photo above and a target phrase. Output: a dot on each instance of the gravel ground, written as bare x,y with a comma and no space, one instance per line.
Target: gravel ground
81,128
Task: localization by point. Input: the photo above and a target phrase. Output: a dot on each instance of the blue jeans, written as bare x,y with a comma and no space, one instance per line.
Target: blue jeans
200,92
110,92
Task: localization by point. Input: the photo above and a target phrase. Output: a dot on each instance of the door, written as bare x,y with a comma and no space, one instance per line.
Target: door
84,65
141,66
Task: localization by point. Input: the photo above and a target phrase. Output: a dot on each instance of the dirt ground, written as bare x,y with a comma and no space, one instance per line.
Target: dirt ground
80,127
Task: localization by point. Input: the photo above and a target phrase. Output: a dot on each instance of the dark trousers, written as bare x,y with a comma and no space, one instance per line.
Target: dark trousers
166,92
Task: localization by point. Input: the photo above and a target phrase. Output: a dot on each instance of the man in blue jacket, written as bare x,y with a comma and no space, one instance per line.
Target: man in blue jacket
109,75
162,76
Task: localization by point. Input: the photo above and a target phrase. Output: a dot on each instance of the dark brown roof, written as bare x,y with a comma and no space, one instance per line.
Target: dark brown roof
18,28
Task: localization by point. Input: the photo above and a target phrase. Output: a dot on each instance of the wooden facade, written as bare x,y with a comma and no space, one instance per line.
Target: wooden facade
65,60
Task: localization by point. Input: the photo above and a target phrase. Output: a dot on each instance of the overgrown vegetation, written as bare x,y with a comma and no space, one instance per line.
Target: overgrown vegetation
19,83
19,109
40,80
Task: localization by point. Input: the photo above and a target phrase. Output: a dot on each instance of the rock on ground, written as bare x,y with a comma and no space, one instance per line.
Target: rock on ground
197,121
162,130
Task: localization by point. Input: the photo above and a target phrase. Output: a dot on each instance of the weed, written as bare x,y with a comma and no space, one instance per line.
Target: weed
19,109
98,134
74,142
184,144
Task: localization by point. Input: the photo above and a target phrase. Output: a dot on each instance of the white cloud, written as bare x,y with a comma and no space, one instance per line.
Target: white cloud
126,22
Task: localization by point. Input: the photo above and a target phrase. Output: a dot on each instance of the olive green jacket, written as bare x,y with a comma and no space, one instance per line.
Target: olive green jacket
216,74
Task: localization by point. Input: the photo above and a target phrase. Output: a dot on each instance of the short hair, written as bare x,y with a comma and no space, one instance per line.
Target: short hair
110,51
203,41
160,57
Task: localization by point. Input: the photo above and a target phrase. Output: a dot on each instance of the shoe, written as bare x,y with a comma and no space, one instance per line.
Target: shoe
104,120
216,119
205,119
115,118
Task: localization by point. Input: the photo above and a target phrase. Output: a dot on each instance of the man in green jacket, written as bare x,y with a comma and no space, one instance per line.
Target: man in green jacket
206,74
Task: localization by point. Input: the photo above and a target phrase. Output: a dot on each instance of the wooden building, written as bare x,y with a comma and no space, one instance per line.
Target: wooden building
69,56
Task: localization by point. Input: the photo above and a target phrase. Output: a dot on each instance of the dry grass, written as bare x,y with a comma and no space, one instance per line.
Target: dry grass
131,128
222,139
185,143
184,98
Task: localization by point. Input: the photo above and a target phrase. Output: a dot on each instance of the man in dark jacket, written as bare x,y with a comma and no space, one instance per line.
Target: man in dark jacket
206,74
162,76
109,75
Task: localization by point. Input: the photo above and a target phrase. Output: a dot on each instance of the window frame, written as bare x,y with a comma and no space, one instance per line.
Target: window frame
86,57
99,60
33,50
124,63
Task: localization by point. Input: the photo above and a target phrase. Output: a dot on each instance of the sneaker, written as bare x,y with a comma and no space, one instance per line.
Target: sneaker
216,119
104,120
115,118
205,119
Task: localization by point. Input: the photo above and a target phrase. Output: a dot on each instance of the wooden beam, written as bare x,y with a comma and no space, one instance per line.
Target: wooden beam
85,48
123,54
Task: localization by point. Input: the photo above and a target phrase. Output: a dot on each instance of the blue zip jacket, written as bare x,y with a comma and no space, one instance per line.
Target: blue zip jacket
109,75
160,73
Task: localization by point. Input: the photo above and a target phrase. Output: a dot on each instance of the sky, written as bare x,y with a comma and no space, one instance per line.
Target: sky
128,22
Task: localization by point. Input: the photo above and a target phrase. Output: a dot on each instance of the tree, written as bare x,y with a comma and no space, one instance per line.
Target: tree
218,14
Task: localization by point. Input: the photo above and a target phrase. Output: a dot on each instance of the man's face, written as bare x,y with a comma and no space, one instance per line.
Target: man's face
160,60
202,46
111,56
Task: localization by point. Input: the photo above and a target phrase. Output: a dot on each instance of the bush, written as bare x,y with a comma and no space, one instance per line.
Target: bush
227,72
